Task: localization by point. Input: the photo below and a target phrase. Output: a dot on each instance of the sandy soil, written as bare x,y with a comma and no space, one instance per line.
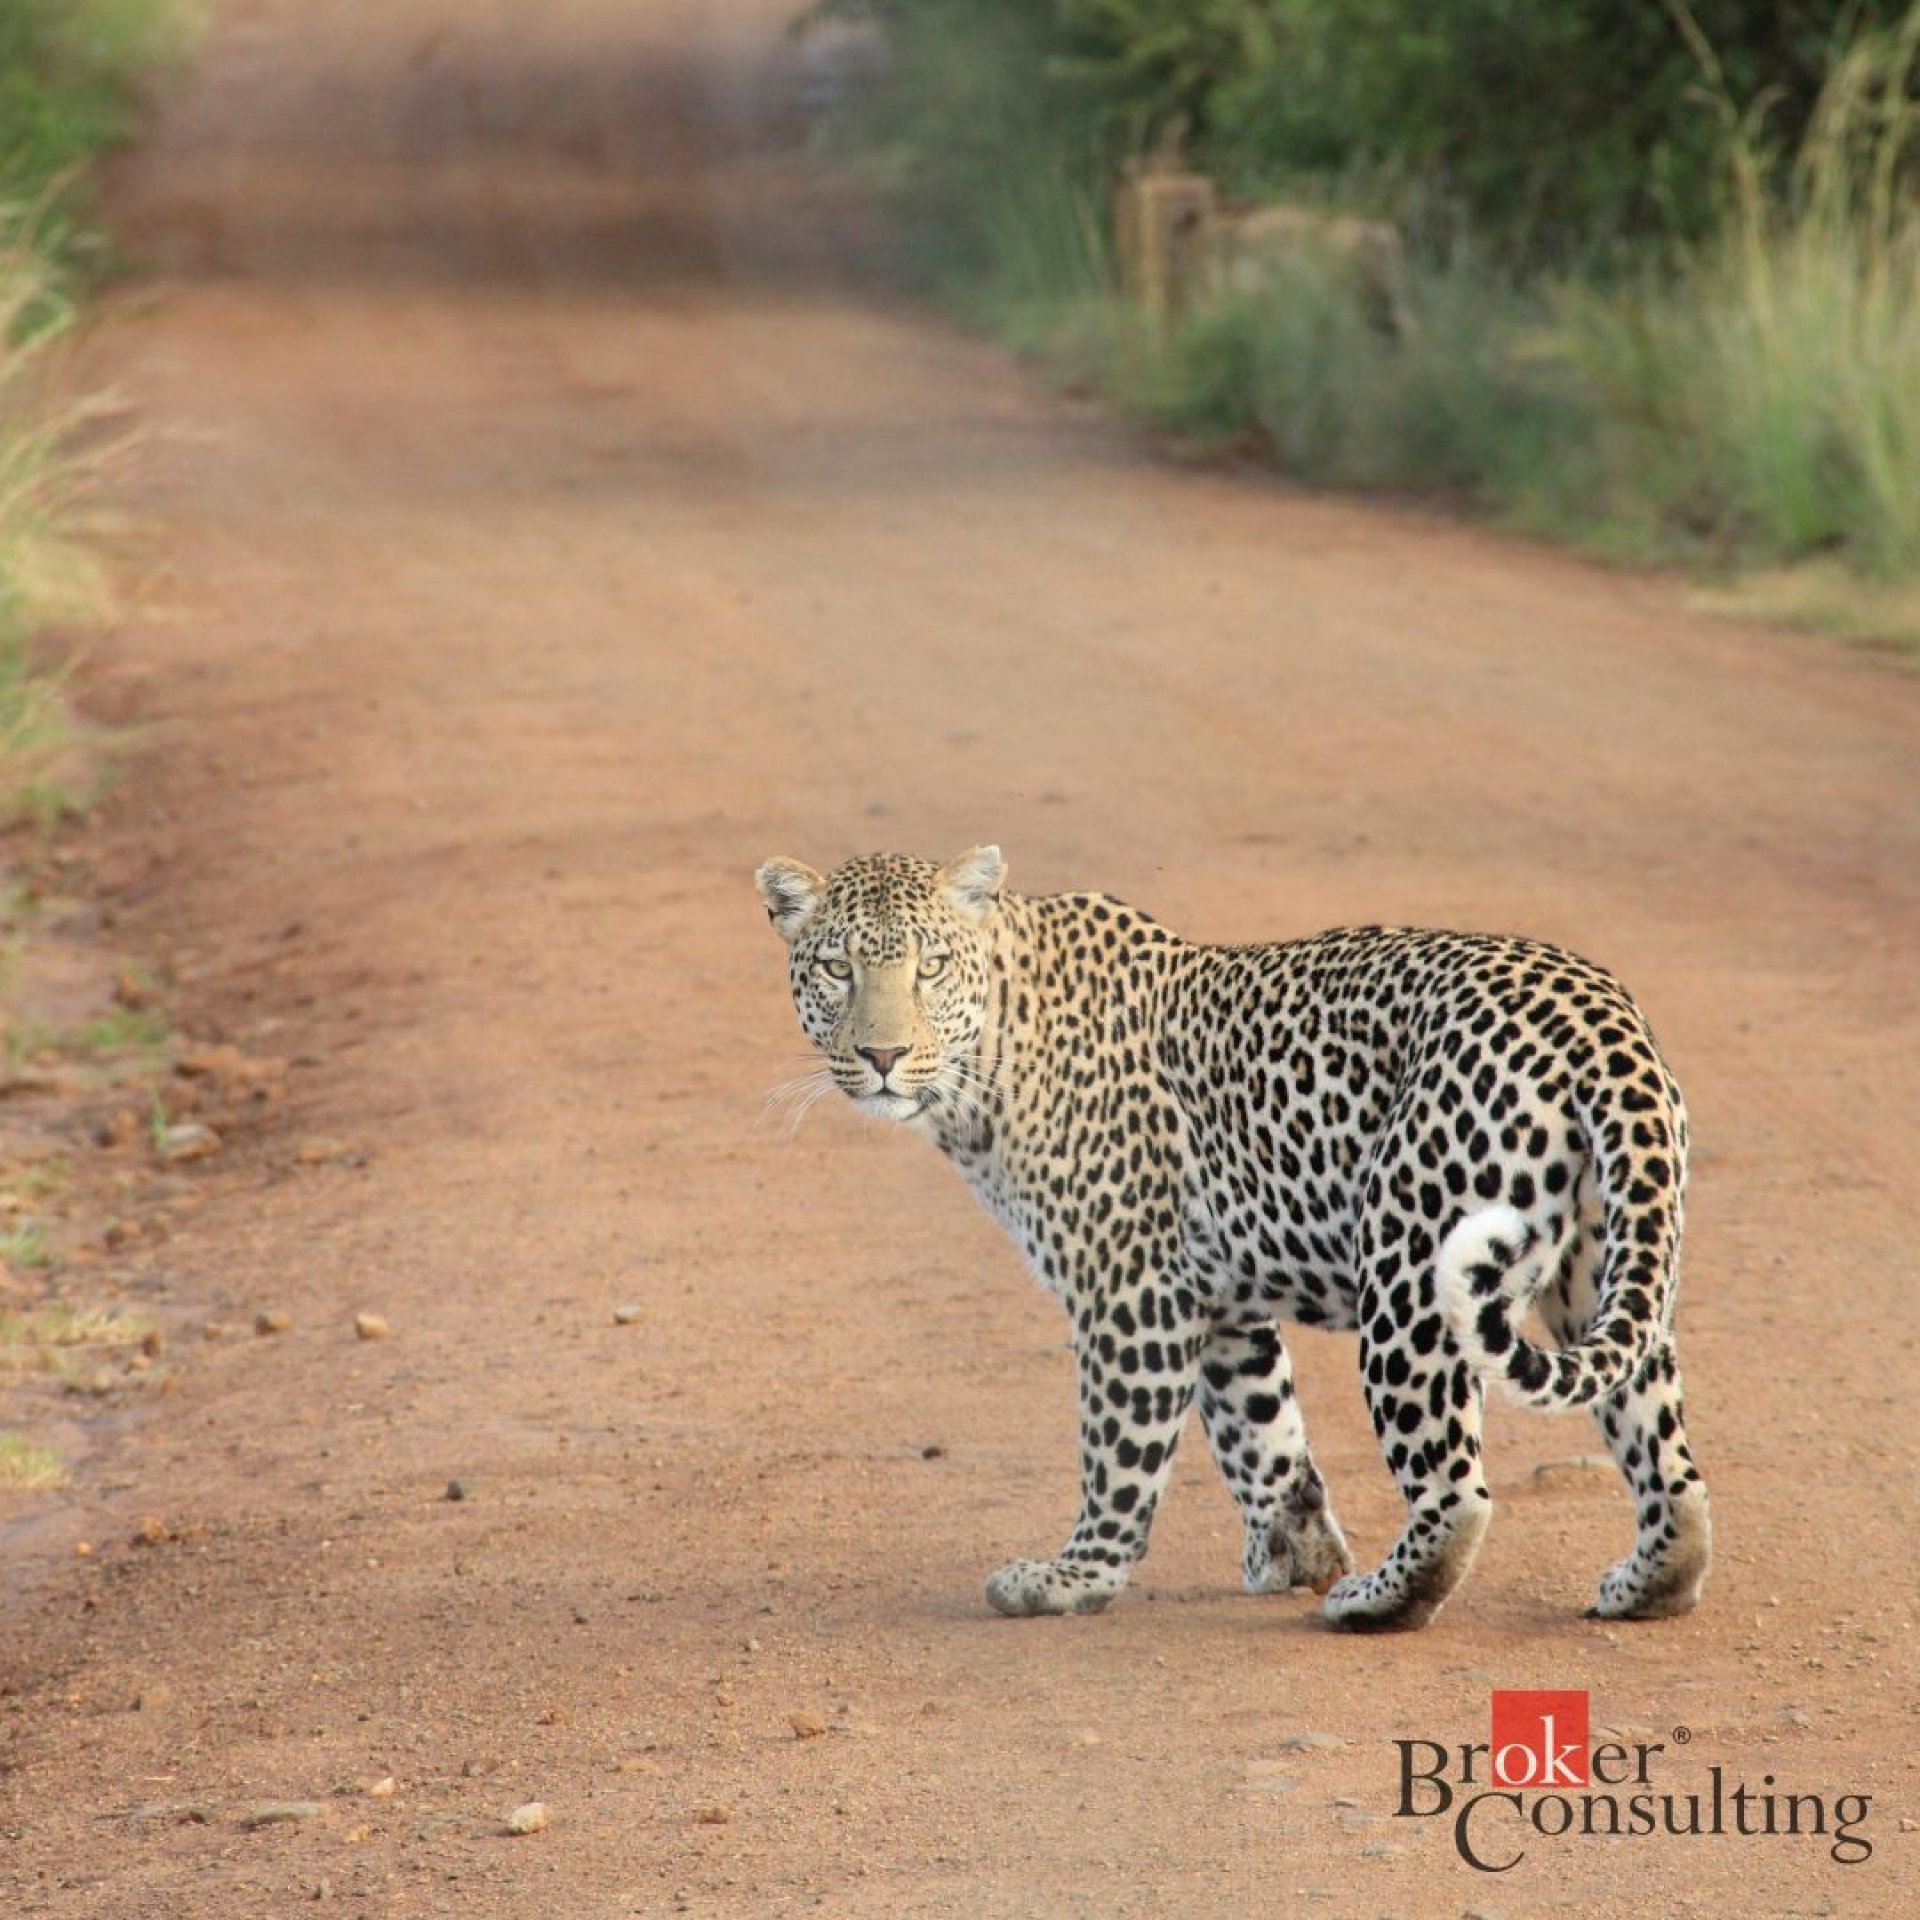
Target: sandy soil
544,525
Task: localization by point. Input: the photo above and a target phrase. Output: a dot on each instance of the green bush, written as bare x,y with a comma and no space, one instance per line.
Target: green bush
1468,405
1554,130
69,74
1742,384
1766,393
69,77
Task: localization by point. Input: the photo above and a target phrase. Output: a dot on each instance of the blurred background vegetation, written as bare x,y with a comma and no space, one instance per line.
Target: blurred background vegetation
70,73
1664,258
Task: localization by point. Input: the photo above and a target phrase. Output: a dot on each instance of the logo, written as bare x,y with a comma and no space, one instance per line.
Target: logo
1541,1776
1539,1739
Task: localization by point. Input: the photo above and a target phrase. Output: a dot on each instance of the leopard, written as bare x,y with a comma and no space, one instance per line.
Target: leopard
1466,1148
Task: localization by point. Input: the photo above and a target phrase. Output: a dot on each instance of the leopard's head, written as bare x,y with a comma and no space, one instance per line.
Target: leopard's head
890,963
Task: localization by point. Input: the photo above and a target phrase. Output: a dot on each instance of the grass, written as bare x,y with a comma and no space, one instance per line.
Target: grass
59,1324
62,1343
107,1036
69,74
44,1179
1462,406
36,569
69,89
28,1467
1748,406
119,1031
1766,391
1823,596
23,1249
1046,235
69,1349
46,577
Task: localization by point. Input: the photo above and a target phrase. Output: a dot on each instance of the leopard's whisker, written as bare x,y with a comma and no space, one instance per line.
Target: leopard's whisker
805,1105
797,1094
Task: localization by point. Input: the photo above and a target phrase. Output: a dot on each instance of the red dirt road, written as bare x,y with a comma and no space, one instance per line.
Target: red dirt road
548,528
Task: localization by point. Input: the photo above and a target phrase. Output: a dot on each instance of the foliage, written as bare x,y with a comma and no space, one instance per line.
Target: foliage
1740,384
68,76
1768,391
1556,129
1468,405
1553,129
29,1467
991,154
69,79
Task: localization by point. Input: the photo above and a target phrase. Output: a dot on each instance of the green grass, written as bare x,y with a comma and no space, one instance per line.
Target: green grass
1822,596
62,1324
1751,402
122,1030
42,576
44,1179
1046,236
1767,391
1747,403
61,1342
107,1037
70,76
29,1467
68,90
1463,406
23,1249
70,73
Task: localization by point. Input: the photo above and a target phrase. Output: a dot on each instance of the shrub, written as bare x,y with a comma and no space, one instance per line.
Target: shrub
1766,392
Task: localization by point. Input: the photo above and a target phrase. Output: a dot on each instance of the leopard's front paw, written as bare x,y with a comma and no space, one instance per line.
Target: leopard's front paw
1024,1587
1412,1583
1377,1602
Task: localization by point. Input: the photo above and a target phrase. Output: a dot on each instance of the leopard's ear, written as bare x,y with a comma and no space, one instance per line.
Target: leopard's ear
790,891
974,879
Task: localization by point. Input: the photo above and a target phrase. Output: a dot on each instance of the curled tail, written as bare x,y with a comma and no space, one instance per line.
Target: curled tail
1490,1268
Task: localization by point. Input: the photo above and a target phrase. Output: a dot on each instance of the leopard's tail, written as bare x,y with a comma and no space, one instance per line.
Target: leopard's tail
1491,1267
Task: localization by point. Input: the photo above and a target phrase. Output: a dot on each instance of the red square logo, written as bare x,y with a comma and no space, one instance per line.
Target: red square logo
1539,1740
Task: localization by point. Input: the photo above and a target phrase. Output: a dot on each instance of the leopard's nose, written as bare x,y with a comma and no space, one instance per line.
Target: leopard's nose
883,1059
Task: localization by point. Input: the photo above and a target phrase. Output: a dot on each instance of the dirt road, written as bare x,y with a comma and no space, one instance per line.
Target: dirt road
547,527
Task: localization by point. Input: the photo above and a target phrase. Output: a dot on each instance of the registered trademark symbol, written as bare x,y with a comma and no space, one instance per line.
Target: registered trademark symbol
1681,1735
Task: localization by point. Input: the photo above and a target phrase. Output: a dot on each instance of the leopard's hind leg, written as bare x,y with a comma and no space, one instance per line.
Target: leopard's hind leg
1429,1426
1644,1426
1426,1405
1259,1441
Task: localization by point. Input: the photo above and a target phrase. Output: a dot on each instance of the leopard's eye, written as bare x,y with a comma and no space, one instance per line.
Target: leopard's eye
932,965
837,969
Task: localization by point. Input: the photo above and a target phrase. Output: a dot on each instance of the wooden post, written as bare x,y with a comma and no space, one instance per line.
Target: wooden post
1163,238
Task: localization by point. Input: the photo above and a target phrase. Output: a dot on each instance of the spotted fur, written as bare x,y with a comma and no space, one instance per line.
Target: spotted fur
1422,1136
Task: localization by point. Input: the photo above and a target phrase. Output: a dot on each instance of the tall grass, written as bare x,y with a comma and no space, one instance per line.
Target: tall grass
47,575
69,72
1748,399
1046,236
992,160
1753,399
1461,406
1767,391
40,573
